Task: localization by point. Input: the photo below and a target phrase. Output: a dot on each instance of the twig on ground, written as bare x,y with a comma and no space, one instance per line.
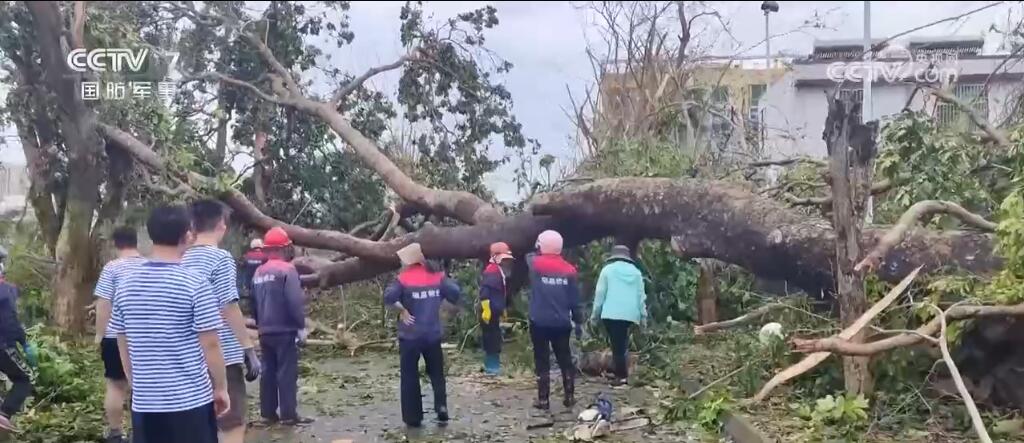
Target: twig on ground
352,352
709,385
738,321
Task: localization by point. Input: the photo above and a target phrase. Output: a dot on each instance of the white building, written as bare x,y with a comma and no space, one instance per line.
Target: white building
794,107
14,184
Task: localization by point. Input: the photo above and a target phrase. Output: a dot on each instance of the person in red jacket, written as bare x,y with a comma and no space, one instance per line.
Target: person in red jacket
281,315
417,293
493,302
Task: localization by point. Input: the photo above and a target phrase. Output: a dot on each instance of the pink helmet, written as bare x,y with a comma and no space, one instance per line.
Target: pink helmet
549,242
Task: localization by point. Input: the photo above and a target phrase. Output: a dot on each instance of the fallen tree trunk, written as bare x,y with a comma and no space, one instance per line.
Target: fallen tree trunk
724,221
705,218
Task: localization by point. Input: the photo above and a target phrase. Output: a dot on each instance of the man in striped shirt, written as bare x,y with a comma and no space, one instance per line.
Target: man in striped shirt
126,243
209,218
166,320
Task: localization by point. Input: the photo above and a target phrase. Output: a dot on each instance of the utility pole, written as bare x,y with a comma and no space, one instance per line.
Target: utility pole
768,7
866,106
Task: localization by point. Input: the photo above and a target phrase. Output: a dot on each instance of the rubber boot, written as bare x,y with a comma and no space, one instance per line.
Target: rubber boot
543,393
492,364
569,386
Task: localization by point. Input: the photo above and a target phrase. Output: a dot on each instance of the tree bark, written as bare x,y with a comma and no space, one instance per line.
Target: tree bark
707,295
851,181
38,195
707,219
75,249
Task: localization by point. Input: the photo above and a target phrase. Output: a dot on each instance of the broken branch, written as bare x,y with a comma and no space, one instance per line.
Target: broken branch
738,321
972,409
959,312
917,212
816,358
879,187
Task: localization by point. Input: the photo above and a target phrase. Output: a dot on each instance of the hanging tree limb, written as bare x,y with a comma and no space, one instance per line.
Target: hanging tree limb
911,217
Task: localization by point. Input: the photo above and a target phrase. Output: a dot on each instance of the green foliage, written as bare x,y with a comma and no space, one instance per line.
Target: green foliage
706,411
943,165
67,402
462,103
836,416
643,158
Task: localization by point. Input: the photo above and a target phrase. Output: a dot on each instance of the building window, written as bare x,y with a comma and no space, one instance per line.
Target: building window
951,117
854,95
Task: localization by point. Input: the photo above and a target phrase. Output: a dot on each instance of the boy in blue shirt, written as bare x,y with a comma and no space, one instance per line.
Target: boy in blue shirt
128,256
417,293
209,218
166,320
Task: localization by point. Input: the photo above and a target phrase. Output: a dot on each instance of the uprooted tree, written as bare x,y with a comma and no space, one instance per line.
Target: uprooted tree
244,66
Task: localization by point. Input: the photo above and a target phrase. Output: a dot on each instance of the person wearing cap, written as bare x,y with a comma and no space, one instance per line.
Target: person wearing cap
493,301
620,302
251,260
417,293
281,315
554,311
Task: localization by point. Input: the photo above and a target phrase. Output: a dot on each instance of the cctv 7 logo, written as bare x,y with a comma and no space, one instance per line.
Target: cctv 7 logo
113,59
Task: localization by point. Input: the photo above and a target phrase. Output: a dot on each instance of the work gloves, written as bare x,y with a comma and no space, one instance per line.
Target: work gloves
252,365
485,311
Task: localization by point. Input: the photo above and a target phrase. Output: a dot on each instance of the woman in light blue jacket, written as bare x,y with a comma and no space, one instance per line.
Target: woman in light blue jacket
620,302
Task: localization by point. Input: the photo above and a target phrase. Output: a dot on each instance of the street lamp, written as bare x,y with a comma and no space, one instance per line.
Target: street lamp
768,7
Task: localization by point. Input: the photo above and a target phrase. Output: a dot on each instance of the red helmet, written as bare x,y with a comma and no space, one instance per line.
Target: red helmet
276,237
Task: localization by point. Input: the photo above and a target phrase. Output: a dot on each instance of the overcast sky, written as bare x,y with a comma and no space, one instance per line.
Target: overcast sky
546,41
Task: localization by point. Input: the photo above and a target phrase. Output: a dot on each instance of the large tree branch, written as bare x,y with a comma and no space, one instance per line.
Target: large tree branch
239,83
911,217
275,65
462,206
351,86
78,26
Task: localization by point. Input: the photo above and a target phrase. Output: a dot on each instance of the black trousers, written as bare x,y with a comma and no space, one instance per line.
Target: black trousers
279,383
618,335
197,425
410,351
14,366
544,341
491,334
